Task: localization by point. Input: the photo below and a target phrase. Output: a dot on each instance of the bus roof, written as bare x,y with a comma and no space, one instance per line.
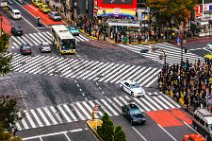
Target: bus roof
62,32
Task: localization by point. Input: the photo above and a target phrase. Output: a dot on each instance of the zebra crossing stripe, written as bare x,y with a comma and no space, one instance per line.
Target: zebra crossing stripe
35,39
114,105
63,113
103,108
78,113
141,104
95,72
102,70
161,103
173,102
153,80
56,114
83,37
88,107
45,39
43,117
84,112
14,39
36,118
30,120
24,124
70,112
149,77
30,39
109,107
148,104
153,103
27,41
135,74
93,68
142,74
78,38
38,37
18,126
50,115
165,101
118,72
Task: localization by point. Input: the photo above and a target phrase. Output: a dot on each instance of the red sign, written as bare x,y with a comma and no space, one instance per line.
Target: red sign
96,108
117,3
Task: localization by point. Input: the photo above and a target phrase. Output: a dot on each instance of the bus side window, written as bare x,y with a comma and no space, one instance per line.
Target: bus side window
201,121
196,117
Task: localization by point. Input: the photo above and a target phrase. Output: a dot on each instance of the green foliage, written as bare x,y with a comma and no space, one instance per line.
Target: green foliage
108,132
9,113
7,136
119,134
176,11
5,66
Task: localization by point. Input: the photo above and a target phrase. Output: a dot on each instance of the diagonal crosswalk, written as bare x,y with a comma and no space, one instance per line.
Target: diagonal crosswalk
79,111
35,39
84,69
173,53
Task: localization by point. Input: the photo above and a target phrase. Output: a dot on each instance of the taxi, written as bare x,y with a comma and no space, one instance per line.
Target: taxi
193,137
37,3
208,56
44,8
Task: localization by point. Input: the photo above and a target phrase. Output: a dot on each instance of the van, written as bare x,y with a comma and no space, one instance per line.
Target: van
15,14
202,122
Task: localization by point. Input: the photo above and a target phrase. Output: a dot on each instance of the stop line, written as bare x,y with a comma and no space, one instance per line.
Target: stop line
172,52
35,39
80,111
84,69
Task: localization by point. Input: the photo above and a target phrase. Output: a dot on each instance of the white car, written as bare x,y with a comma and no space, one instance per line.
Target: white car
132,88
45,47
15,14
209,46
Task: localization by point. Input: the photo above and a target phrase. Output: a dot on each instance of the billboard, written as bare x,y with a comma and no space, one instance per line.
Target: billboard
117,4
117,1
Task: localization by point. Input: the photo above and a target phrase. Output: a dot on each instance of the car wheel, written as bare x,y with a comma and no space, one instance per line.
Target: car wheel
131,122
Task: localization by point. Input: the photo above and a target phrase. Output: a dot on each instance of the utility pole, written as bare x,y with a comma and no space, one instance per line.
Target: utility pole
203,8
1,23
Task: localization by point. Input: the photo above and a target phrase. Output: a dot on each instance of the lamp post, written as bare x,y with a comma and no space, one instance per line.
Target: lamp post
1,24
161,57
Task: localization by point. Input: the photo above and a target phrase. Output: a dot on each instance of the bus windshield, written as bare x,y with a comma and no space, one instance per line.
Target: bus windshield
68,44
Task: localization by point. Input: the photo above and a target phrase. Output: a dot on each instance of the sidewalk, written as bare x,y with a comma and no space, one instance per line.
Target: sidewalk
92,124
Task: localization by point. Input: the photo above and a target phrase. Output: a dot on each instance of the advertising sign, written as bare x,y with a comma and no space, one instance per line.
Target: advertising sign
117,1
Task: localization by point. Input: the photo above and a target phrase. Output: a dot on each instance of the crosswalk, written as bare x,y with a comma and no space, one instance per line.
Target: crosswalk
173,53
35,39
84,69
80,111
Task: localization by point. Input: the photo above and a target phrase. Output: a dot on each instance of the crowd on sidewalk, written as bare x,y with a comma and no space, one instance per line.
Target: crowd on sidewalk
192,84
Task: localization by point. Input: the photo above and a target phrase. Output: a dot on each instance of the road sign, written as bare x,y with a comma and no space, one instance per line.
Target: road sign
96,108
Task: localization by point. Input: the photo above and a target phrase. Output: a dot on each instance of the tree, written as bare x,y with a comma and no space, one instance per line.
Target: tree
9,114
5,66
119,134
7,136
108,132
171,11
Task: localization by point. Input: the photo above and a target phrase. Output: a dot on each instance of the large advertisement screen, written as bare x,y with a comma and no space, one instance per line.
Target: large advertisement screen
117,1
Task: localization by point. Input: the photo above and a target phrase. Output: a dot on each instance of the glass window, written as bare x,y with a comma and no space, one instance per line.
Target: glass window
135,111
68,44
135,85
210,127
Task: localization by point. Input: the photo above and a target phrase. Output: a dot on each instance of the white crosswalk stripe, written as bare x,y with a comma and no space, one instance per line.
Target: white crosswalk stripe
173,53
35,39
84,69
80,111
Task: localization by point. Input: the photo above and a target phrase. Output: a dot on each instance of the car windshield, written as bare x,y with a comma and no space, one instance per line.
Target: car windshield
210,127
17,13
68,44
135,111
56,14
135,85
73,28
45,44
26,47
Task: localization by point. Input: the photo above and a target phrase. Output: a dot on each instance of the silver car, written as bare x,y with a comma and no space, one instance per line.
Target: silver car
54,16
209,46
45,47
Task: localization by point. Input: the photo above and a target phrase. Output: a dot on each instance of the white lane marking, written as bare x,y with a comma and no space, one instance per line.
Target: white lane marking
139,134
50,115
66,136
37,118
70,112
30,120
43,117
78,113
190,127
167,132
24,124
53,134
56,114
83,110
63,113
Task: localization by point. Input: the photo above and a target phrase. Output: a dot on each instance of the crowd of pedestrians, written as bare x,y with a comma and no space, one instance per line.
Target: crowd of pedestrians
190,81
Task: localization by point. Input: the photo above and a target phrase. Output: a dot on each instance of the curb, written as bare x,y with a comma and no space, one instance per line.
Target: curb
94,131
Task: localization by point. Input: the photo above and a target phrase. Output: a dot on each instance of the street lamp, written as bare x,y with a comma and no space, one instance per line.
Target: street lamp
161,57
1,24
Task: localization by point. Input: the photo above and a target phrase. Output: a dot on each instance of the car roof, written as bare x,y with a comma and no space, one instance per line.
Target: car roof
16,10
17,27
133,106
130,82
45,43
54,12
